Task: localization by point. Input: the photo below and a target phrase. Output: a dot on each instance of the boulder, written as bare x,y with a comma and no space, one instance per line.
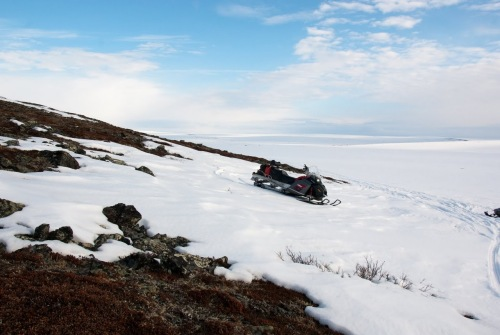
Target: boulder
42,232
25,161
63,234
160,151
186,264
60,158
108,158
101,239
8,207
125,216
145,170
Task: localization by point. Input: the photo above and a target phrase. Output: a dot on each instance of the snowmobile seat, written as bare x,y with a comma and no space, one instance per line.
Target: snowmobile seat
281,176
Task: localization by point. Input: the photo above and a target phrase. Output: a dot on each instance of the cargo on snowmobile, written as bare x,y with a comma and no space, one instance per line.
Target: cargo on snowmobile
307,188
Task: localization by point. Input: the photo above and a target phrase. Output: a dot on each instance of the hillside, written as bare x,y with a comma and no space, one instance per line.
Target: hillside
176,234
45,292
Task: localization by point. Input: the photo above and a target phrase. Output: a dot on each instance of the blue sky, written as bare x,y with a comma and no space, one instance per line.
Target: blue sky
389,67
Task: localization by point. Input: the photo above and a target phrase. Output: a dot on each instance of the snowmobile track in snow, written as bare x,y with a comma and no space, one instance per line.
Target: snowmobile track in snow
470,218
494,264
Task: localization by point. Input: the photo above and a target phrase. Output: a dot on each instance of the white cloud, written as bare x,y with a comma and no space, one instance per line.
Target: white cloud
235,10
73,60
333,21
319,40
352,6
388,6
427,82
285,18
37,34
404,22
25,38
380,37
422,82
491,6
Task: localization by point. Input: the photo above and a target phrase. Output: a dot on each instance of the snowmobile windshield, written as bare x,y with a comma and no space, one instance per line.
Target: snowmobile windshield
313,171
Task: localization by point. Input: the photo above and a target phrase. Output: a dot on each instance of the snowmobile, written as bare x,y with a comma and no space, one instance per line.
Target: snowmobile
495,214
308,187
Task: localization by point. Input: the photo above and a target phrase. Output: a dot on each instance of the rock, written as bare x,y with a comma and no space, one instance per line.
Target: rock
60,158
12,143
42,232
113,160
141,260
72,146
185,264
25,161
8,207
159,246
38,249
160,151
63,234
101,239
122,215
145,170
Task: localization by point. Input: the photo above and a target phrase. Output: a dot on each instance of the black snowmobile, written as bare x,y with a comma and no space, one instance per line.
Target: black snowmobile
308,188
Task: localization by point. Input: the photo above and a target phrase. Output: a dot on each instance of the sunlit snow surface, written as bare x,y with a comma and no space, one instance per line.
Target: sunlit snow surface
415,204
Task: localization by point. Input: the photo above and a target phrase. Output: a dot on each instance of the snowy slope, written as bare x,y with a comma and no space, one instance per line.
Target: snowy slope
432,237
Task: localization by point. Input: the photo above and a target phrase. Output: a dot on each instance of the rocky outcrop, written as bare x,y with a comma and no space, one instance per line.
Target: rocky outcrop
60,158
35,161
159,247
43,233
8,207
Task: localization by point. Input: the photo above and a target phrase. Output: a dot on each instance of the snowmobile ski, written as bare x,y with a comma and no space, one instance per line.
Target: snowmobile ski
495,214
325,201
491,215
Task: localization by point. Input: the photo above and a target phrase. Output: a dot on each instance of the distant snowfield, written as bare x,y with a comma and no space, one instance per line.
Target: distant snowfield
417,206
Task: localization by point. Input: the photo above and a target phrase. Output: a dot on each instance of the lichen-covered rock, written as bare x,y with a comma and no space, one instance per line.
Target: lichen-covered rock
60,158
63,234
8,207
185,264
101,239
25,161
42,232
145,170
122,215
159,247
72,146
141,260
12,143
108,158
160,151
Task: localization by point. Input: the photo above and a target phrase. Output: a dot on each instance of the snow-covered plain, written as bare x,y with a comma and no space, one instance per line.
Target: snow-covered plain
415,204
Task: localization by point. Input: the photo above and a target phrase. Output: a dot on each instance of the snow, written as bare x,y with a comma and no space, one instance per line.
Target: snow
415,204
19,123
